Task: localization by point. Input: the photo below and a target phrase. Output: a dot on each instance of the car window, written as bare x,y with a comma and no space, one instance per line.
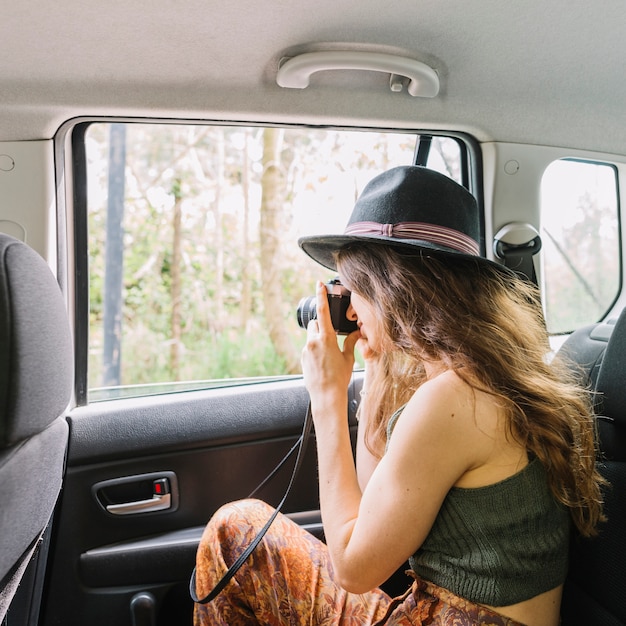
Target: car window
194,268
581,244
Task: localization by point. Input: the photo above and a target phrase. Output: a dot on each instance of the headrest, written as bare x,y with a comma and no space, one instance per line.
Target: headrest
611,385
36,356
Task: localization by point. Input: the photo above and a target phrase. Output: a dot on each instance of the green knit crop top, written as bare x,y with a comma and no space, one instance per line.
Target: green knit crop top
499,544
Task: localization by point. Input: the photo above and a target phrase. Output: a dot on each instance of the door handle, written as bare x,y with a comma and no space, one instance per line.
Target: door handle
156,503
144,493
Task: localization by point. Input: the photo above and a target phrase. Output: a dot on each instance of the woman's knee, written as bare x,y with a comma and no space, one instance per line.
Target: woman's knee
230,530
241,512
236,518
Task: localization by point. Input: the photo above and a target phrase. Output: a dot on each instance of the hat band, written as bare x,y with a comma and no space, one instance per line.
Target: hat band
439,235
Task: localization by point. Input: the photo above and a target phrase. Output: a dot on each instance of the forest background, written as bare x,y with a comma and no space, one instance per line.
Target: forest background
195,272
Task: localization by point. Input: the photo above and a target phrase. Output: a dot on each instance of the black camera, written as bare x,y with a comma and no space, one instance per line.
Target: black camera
338,302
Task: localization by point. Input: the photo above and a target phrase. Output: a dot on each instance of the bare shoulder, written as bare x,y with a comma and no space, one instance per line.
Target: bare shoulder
449,400
448,417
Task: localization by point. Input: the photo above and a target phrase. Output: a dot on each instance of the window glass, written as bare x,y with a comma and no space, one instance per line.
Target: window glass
581,247
195,272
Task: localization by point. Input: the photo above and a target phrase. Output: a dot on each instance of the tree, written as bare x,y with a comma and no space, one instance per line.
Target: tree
246,280
271,228
175,286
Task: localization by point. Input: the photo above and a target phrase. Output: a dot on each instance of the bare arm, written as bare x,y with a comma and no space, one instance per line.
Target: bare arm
370,533
366,461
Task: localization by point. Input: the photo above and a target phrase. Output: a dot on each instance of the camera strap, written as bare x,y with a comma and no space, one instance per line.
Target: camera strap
300,445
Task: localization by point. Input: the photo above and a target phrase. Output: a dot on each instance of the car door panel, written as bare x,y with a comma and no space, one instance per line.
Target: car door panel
213,446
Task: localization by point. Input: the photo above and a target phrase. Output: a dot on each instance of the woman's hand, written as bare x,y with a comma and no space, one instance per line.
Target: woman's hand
327,368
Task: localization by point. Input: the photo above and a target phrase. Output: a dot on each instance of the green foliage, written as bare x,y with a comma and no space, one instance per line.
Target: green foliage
216,173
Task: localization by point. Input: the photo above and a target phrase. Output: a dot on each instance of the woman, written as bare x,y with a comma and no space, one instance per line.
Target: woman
475,454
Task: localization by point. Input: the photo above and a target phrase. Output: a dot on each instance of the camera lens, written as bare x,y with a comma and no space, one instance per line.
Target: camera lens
307,311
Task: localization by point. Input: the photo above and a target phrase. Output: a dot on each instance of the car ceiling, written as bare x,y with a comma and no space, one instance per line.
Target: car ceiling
539,72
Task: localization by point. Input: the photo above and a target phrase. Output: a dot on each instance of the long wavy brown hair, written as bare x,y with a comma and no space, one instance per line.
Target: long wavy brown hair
487,325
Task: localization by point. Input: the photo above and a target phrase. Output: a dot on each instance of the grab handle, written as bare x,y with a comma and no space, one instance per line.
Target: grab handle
296,71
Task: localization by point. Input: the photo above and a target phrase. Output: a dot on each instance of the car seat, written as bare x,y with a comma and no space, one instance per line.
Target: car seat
36,374
595,590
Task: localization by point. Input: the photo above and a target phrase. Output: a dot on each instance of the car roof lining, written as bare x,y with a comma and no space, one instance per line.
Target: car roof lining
517,72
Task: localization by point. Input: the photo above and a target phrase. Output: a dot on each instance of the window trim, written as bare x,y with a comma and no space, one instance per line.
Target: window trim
620,286
471,178
81,264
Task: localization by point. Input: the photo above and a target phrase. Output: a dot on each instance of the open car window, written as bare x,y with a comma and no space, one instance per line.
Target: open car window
580,230
194,269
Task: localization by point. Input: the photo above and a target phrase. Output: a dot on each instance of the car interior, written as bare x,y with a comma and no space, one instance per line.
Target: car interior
157,166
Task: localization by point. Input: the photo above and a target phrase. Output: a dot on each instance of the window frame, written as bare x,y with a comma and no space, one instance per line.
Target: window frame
562,335
471,174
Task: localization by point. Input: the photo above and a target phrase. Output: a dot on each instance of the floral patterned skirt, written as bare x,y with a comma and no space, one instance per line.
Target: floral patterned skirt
288,581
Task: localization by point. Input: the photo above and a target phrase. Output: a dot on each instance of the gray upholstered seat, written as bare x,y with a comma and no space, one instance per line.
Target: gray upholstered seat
595,592
36,372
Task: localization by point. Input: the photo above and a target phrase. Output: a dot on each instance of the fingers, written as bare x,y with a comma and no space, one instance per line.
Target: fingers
324,323
327,366
312,329
351,341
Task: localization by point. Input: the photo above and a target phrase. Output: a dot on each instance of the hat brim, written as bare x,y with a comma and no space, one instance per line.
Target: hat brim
321,248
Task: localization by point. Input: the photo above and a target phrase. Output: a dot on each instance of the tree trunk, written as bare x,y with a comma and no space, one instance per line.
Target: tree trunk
220,321
272,226
176,288
246,282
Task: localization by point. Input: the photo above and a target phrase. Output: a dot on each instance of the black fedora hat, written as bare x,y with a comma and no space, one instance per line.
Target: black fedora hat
408,207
